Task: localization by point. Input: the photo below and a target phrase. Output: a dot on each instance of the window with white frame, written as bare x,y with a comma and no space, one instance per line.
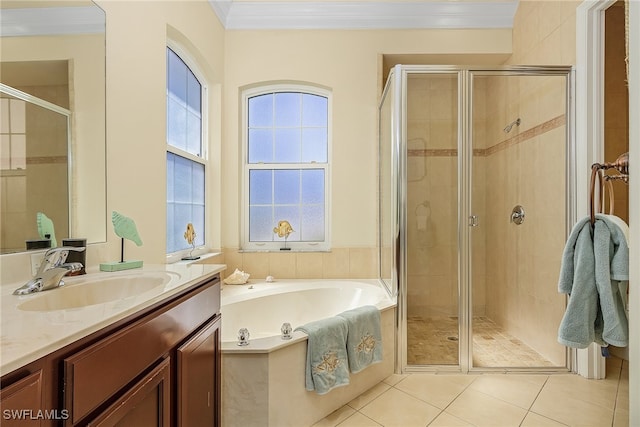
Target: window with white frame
286,167
186,154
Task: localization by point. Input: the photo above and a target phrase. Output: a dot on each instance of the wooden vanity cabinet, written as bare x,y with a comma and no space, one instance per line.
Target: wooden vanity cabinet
20,401
158,367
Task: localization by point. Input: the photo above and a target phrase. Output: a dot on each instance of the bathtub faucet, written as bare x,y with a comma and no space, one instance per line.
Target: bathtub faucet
286,330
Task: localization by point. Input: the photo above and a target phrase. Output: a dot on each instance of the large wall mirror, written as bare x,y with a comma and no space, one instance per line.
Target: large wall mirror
52,129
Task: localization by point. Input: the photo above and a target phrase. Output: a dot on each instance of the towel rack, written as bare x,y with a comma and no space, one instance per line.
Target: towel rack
622,166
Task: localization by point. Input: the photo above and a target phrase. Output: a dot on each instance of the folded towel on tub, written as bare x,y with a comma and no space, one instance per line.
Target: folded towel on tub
364,339
327,366
594,272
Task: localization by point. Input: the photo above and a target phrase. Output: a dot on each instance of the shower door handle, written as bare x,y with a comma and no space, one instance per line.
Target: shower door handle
473,221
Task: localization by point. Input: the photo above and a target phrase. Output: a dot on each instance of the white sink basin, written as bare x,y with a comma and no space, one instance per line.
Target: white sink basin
97,291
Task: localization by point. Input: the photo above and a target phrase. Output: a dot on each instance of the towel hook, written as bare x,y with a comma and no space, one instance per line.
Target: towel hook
622,166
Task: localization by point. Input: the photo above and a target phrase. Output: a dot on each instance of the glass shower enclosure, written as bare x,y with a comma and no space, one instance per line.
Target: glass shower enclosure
474,182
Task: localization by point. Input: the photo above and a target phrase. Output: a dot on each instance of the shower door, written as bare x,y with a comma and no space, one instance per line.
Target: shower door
518,217
474,213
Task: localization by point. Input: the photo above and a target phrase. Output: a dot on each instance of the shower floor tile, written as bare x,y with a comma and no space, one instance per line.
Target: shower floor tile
434,341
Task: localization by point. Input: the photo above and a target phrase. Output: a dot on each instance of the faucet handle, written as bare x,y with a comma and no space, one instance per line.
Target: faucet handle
57,256
68,248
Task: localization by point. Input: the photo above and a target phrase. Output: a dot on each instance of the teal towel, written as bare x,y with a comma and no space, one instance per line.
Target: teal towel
327,366
595,267
364,339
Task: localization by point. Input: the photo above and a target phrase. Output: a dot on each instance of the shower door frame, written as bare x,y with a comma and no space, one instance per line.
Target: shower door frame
399,77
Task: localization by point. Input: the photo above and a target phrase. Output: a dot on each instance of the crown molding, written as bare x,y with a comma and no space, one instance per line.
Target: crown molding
51,21
258,15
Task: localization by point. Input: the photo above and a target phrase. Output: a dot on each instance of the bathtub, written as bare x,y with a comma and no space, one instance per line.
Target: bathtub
263,382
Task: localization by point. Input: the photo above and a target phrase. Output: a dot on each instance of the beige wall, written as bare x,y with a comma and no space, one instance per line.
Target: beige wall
137,34
544,33
349,63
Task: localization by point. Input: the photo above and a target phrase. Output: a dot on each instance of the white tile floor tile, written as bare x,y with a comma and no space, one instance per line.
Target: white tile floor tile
481,409
397,408
451,400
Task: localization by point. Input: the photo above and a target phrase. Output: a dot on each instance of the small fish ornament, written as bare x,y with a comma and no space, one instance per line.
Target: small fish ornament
283,229
190,234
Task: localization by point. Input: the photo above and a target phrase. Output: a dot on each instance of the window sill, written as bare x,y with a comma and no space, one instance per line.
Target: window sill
202,253
284,252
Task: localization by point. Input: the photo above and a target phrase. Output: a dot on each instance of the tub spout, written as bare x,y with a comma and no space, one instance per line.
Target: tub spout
243,337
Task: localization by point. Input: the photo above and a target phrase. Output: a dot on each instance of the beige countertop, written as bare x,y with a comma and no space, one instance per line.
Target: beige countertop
27,335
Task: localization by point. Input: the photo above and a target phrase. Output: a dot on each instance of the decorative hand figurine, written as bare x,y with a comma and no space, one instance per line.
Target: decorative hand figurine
283,230
190,237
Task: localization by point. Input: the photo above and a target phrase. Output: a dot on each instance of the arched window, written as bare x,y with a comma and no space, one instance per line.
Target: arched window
186,154
286,167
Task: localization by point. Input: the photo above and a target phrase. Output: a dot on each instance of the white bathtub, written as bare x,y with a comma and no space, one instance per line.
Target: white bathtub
263,307
259,377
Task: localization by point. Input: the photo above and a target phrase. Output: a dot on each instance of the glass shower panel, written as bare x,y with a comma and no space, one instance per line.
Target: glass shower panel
519,139
387,217
432,296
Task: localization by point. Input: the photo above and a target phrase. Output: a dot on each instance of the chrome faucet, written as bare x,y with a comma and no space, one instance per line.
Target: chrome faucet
52,269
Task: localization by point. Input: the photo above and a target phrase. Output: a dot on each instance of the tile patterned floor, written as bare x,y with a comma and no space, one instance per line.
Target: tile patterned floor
434,341
449,400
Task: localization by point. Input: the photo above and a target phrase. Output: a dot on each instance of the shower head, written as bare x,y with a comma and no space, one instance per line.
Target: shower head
508,127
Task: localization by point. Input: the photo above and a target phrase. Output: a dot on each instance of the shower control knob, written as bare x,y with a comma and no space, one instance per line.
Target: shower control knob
517,215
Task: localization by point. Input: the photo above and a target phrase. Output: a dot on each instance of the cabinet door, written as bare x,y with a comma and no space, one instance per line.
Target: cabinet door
199,378
21,402
147,403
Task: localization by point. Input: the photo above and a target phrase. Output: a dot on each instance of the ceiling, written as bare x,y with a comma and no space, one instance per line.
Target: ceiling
364,14
287,14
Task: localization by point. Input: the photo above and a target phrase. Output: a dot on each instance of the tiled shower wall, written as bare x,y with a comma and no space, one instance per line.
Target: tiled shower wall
432,196
525,167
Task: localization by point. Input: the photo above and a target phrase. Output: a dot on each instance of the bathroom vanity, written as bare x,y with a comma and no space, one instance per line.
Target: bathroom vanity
149,359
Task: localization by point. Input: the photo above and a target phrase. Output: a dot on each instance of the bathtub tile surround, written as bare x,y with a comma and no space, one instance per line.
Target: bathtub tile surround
339,263
491,399
270,386
264,382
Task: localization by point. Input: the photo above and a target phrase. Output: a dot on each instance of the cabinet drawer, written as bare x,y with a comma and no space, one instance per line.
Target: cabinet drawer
94,375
